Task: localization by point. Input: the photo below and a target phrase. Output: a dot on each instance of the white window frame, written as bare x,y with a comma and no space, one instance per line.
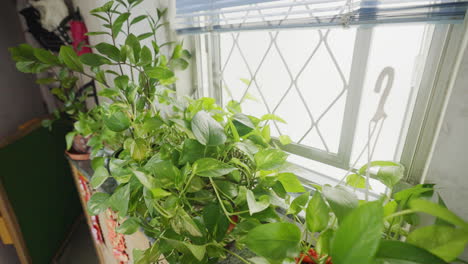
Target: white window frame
442,51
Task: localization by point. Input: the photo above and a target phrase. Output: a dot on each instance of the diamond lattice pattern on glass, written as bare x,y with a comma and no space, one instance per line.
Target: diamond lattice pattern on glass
304,77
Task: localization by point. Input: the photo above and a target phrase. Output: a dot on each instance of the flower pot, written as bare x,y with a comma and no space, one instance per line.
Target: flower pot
80,144
77,156
80,149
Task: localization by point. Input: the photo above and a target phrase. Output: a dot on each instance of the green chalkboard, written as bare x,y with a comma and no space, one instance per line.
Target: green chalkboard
40,188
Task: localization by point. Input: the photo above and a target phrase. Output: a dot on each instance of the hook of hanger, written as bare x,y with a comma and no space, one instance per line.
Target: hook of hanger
389,74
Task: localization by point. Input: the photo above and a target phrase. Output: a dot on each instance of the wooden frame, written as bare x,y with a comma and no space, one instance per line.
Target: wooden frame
13,227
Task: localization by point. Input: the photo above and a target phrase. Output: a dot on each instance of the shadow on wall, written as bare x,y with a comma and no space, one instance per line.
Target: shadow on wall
8,254
20,97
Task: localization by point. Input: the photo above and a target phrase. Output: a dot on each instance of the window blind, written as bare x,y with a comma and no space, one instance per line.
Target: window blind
201,16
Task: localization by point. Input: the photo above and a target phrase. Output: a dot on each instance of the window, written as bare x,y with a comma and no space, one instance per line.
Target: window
322,82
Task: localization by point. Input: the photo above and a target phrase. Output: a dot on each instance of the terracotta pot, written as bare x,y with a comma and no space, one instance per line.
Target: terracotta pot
80,144
77,156
80,150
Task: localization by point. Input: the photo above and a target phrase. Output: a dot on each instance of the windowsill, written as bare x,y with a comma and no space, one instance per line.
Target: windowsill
309,178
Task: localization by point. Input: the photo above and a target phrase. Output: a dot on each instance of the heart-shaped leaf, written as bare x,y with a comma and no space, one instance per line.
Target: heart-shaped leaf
394,252
207,130
357,238
317,213
209,167
274,241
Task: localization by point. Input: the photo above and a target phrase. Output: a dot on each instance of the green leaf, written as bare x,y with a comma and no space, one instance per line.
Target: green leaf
207,130
275,241
98,203
46,56
272,117
290,182
159,193
104,8
139,149
317,214
166,173
160,73
150,255
183,222
445,242
121,82
438,211
209,167
192,150
93,60
196,250
133,42
270,159
285,140
69,57
129,227
215,221
145,56
145,36
179,64
96,33
109,93
324,242
388,172
109,50
397,252
138,19
341,201
117,121
357,238
298,203
23,52
99,177
118,23
146,180
46,80
120,199
243,124
228,188
257,205
439,221
356,181
69,137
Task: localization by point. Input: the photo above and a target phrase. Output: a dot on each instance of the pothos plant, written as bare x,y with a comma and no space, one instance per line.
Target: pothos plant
201,180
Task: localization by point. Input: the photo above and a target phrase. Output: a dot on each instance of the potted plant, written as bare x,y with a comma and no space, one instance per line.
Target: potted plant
64,68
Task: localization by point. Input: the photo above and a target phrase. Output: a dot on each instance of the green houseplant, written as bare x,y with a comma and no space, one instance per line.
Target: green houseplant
64,80
202,181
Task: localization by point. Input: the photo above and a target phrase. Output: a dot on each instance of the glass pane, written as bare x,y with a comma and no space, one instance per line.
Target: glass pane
402,54
300,75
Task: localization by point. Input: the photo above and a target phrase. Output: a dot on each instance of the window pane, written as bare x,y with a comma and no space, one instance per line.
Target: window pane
302,76
402,54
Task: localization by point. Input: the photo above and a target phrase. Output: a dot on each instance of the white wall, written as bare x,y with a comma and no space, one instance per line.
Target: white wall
149,7
20,97
448,167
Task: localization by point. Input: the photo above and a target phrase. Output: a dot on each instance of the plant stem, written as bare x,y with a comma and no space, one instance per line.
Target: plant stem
189,180
221,202
236,255
113,40
404,212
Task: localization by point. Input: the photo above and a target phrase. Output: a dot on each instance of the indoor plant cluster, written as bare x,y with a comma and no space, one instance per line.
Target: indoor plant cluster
204,181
